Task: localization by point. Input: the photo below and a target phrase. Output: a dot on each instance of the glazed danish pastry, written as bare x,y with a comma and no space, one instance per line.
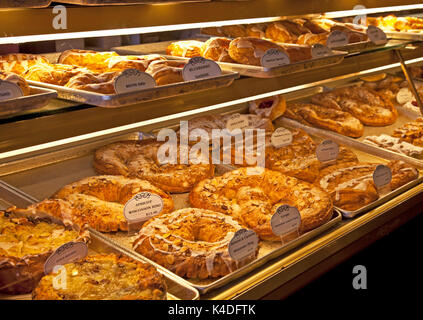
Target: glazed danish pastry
285,31
92,60
411,132
16,79
193,243
99,200
256,30
234,31
185,48
99,83
58,74
165,71
325,118
270,107
142,159
311,38
20,62
252,195
217,49
105,277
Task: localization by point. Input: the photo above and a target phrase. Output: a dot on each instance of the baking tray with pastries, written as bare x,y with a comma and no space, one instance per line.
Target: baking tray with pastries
409,27
300,31
17,96
34,233
89,76
191,234
244,54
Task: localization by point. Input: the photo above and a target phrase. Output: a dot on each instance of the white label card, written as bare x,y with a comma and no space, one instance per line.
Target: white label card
67,253
337,38
243,244
318,50
9,90
142,207
382,176
133,80
200,68
404,95
237,121
376,35
274,58
327,151
281,137
285,220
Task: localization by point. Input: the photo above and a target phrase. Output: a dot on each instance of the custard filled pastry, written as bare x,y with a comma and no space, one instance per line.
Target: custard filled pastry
185,48
16,79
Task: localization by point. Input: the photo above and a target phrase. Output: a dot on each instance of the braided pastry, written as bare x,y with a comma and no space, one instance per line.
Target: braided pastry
99,200
252,195
193,243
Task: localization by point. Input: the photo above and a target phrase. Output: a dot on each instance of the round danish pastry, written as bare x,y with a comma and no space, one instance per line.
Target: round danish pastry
252,195
270,107
143,160
185,48
27,238
217,49
193,243
104,277
16,79
99,201
249,50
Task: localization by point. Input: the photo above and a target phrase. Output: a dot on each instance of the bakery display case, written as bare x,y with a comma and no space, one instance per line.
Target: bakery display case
327,155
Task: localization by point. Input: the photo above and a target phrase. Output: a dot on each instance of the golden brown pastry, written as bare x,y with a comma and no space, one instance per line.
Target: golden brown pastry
166,71
311,38
16,79
256,30
193,243
367,105
27,238
234,31
92,60
105,277
58,74
251,196
395,144
352,35
411,132
325,118
270,107
276,31
20,62
140,159
217,49
99,200
351,186
313,27
297,53
99,83
249,50
185,48
213,31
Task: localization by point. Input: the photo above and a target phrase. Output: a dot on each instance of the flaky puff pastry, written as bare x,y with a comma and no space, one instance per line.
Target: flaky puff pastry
249,50
217,49
256,30
252,195
16,79
20,62
185,48
92,60
165,71
234,31
99,83
58,74
99,200
311,38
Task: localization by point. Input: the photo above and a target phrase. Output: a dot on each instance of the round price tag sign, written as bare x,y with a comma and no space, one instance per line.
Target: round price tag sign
327,151
243,244
382,176
133,80
200,68
337,38
66,253
404,95
237,121
274,58
285,220
281,137
9,90
142,207
376,35
318,50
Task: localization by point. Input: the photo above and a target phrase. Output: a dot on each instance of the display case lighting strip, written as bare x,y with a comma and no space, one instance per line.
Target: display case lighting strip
136,126
357,12
129,31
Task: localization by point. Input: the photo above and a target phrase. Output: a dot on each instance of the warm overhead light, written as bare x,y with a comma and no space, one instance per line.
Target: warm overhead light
346,13
128,31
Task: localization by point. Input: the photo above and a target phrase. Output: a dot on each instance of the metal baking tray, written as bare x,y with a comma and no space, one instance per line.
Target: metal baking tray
129,98
37,98
124,2
246,70
42,177
358,46
177,290
405,35
24,3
